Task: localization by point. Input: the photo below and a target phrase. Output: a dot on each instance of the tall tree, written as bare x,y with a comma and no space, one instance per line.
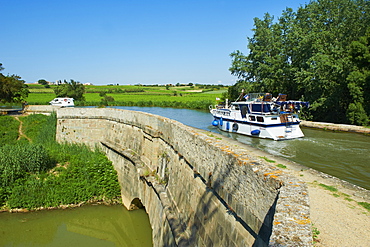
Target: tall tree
358,111
328,27
72,89
270,64
12,88
306,55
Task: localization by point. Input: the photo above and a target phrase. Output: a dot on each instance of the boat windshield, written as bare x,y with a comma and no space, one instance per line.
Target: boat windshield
254,96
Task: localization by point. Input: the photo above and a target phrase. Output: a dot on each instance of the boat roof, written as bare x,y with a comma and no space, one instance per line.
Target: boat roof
63,98
267,98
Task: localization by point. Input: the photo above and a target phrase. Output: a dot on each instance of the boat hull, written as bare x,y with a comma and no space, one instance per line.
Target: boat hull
278,131
260,115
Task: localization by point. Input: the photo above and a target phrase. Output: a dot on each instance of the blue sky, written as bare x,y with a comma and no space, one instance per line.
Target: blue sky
128,42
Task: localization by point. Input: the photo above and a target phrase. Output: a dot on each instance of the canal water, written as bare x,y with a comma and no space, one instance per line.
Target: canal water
340,154
90,226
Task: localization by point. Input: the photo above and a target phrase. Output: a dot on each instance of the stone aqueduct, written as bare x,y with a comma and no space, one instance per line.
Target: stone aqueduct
198,188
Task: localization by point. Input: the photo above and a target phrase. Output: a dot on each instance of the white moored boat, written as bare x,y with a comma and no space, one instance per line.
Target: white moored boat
260,115
63,102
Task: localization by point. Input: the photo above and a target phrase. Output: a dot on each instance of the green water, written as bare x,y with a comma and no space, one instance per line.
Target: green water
340,154
84,226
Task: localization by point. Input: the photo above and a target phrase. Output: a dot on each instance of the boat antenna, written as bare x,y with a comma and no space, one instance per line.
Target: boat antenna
241,96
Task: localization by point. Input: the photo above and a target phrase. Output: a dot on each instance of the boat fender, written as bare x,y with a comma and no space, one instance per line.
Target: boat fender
255,132
274,109
215,122
227,125
221,121
235,127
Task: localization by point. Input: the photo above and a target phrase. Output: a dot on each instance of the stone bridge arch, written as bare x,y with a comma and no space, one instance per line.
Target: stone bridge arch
198,190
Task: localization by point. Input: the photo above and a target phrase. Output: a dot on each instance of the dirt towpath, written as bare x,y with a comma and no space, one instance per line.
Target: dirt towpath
20,130
336,216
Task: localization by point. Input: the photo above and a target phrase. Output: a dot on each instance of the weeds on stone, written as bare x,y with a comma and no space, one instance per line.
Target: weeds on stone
281,166
315,235
365,205
148,173
267,159
330,188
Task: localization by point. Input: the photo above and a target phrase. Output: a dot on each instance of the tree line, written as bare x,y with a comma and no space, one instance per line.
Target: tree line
14,90
319,53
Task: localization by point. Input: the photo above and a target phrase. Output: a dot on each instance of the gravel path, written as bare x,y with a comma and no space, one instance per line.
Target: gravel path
336,215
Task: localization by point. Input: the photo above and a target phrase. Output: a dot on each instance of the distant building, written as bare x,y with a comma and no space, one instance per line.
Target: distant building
87,84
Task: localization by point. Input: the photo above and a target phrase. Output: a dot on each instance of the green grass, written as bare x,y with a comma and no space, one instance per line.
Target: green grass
365,205
346,197
8,130
45,173
30,122
267,159
40,98
281,166
327,187
315,234
178,97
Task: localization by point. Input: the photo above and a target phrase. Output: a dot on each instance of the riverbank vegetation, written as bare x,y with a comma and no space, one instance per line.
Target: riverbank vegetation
12,88
319,53
178,96
44,173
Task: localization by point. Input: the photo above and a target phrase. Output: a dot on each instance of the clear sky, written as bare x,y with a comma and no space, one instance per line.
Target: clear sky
128,42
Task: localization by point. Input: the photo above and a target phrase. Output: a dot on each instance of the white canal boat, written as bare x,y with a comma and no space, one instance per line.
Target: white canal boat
63,102
260,115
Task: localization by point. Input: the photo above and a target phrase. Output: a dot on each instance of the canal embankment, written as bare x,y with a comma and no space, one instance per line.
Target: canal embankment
336,127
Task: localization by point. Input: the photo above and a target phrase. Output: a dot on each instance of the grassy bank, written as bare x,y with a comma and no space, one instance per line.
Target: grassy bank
191,97
44,173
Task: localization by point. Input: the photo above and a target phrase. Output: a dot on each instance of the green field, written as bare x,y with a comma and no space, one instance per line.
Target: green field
193,97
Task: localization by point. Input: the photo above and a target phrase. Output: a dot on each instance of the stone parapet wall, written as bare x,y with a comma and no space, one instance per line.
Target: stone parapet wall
41,109
198,188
